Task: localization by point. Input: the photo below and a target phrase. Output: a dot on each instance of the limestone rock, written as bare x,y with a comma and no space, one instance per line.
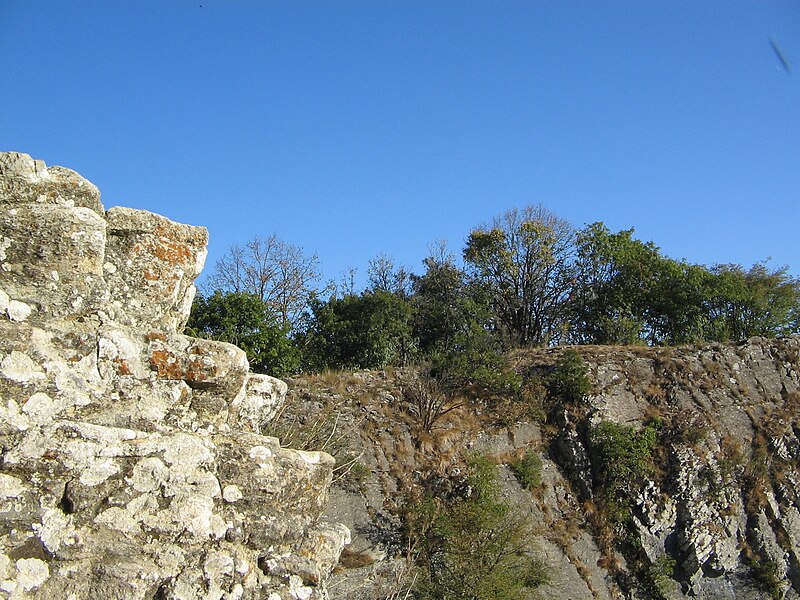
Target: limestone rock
132,465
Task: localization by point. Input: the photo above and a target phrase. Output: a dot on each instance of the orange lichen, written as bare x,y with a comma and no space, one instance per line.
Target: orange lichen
172,252
122,367
167,366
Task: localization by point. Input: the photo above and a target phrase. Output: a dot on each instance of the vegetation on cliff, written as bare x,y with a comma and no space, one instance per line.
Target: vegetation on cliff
527,279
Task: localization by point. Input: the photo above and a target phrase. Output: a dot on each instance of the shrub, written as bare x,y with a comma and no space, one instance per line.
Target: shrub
766,577
569,381
621,459
428,401
528,469
475,547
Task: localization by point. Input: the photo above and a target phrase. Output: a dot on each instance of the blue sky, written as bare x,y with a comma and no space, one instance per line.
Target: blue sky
358,128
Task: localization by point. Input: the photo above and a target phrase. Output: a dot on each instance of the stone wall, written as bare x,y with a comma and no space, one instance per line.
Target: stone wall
133,464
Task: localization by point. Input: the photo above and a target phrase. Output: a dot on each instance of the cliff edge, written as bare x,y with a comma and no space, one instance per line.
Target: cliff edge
133,464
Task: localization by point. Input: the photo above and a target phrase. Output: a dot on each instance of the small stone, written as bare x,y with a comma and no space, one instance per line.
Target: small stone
231,493
32,573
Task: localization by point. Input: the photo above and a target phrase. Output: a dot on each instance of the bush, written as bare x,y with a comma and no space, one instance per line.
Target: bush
766,577
246,321
621,460
476,363
475,547
428,401
569,381
528,470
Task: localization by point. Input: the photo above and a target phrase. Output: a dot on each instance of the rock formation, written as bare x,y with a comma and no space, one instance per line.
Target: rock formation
133,464
716,515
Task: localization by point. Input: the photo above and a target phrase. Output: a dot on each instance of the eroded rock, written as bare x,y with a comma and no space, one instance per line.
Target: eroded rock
132,465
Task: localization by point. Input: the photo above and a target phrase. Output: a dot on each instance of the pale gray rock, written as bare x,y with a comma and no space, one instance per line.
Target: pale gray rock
132,465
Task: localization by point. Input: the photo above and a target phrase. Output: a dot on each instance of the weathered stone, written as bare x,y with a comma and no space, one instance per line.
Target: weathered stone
24,180
151,266
131,461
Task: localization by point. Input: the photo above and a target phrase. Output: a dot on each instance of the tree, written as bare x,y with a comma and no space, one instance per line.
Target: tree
524,261
369,331
273,270
383,275
758,301
245,320
628,292
445,304
615,274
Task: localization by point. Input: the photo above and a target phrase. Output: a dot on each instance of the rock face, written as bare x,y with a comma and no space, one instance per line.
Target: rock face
716,515
133,464
724,505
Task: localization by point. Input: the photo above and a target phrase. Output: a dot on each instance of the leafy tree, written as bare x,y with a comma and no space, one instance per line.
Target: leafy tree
615,273
368,331
273,270
447,307
759,302
524,261
629,293
246,321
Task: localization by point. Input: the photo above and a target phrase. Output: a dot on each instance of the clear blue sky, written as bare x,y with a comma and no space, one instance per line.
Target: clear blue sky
354,128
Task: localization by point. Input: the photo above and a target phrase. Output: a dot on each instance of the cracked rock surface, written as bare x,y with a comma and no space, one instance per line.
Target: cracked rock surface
133,464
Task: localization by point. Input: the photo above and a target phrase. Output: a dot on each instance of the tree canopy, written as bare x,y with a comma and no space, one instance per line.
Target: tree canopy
528,279
277,272
245,320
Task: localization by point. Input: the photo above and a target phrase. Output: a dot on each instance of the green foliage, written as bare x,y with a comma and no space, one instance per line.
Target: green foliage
245,320
369,331
524,264
446,307
628,292
569,381
476,363
759,302
766,576
528,470
475,547
661,572
621,459
529,279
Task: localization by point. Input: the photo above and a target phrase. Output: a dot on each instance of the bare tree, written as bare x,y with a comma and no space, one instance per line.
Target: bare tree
429,400
275,271
385,276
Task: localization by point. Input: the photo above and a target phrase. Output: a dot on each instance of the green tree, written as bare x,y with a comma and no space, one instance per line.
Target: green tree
447,308
758,301
524,261
369,331
615,275
246,321
628,292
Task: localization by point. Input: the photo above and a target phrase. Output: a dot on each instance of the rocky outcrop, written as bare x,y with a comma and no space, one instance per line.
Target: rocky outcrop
712,514
133,460
723,503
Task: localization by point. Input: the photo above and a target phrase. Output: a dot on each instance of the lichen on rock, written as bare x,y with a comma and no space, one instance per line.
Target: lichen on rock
132,460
